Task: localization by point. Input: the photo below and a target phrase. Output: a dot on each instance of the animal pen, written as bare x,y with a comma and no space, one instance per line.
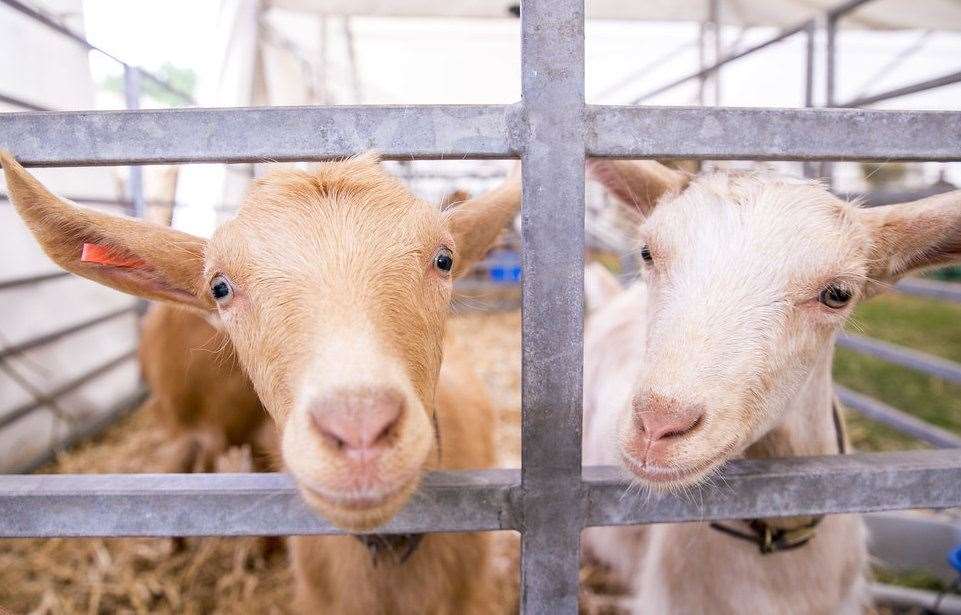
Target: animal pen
551,498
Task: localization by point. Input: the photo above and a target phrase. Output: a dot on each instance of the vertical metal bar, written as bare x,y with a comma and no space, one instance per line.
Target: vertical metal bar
716,32
552,50
830,75
131,90
810,39
352,61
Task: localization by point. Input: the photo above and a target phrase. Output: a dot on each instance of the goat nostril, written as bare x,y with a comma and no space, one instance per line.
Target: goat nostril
658,426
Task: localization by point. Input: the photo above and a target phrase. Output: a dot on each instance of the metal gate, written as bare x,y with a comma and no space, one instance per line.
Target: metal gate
550,499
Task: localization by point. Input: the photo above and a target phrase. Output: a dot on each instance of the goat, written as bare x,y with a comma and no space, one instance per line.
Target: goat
334,288
723,349
198,391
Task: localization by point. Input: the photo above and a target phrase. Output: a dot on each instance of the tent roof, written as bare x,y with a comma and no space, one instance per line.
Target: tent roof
876,15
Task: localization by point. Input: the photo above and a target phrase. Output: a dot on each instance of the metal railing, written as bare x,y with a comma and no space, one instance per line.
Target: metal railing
551,498
135,205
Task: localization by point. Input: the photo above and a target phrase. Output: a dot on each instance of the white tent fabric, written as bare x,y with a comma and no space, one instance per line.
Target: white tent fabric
877,15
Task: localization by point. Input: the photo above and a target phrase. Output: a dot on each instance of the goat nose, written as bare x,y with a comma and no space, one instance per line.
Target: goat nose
661,418
362,420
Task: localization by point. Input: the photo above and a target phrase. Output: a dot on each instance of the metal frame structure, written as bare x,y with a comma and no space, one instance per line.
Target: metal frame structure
135,206
551,498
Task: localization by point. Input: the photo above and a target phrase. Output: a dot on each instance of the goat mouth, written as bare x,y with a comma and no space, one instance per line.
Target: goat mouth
666,477
361,501
358,513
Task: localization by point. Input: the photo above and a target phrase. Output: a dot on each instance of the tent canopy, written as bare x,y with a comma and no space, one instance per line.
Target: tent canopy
876,15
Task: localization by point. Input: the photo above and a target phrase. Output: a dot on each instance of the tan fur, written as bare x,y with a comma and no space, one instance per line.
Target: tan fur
727,323
335,288
198,390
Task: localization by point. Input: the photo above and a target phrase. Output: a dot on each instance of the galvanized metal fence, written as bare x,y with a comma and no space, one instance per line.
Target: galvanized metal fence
551,498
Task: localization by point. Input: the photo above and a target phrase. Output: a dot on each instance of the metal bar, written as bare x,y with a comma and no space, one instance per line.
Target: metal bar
715,11
946,291
846,7
552,62
53,336
914,88
749,489
267,504
830,76
810,169
86,431
259,134
32,279
21,411
875,198
487,131
703,73
67,32
23,104
905,357
897,419
230,505
912,599
131,89
773,134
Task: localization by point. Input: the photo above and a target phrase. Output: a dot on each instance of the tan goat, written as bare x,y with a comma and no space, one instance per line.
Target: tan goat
334,287
198,390
723,349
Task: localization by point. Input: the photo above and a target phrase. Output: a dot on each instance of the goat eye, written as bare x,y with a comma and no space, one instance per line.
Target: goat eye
221,289
835,296
646,254
444,260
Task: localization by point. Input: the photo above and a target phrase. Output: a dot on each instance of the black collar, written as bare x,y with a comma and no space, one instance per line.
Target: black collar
772,539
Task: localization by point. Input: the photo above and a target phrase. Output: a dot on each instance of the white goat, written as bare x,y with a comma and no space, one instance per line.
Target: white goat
723,349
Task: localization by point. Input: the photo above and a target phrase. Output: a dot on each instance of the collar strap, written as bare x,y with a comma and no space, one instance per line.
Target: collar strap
399,546
771,539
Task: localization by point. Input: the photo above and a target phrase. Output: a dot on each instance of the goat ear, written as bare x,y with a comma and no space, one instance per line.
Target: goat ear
600,286
639,184
135,257
476,222
916,235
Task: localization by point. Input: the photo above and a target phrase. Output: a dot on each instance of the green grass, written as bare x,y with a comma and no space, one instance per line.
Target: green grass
927,325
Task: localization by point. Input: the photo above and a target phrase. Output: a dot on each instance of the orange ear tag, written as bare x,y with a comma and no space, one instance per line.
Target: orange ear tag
96,253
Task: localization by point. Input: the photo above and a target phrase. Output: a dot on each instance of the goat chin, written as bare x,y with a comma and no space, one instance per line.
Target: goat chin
359,516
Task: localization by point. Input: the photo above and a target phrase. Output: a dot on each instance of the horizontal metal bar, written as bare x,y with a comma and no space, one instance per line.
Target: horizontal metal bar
752,488
23,104
53,336
259,134
846,7
897,419
914,88
905,357
32,279
230,505
876,198
911,599
85,431
704,72
919,287
267,504
19,412
67,32
773,134
487,131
